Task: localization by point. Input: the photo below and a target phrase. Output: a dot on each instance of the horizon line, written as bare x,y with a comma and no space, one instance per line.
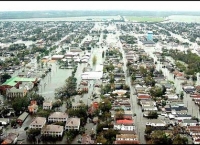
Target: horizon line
103,10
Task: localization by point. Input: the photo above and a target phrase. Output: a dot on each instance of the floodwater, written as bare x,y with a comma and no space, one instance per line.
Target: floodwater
183,18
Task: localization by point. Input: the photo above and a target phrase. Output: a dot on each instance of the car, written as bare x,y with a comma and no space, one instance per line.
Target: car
164,114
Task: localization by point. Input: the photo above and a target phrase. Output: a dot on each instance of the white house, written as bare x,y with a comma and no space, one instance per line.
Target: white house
58,117
47,105
91,75
156,123
188,122
72,124
38,123
171,96
56,130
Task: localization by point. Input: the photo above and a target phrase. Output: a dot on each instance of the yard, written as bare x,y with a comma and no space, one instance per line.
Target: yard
144,19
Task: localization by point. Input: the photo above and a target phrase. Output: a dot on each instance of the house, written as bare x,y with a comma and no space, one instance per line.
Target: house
72,124
140,88
126,139
75,50
38,123
188,89
57,57
93,107
171,96
156,123
143,97
124,125
193,130
120,92
196,140
147,103
189,122
183,116
11,138
176,103
47,105
126,142
76,105
33,107
86,139
51,130
14,92
179,110
71,54
58,117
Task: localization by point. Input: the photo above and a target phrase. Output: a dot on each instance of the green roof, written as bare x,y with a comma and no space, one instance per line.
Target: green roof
13,81
10,82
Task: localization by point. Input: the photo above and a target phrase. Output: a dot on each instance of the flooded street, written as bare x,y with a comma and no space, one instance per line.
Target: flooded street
54,79
192,108
57,77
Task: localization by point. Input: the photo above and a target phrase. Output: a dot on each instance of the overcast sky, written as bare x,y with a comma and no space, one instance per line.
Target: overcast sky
100,5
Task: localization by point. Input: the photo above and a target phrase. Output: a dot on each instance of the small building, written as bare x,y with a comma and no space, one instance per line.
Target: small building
58,117
33,107
189,122
11,138
156,123
51,130
126,139
143,97
22,118
183,116
76,105
72,124
57,57
38,123
47,105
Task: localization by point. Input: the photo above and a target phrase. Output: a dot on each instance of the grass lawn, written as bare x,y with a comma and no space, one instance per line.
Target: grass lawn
145,19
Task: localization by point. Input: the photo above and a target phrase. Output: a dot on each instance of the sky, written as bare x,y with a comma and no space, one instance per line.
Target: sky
100,5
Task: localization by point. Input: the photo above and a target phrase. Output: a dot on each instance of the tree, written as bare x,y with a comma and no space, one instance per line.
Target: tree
37,98
119,114
156,92
180,140
103,54
133,78
20,104
38,59
181,95
159,137
148,130
110,135
105,105
101,139
94,60
4,77
152,115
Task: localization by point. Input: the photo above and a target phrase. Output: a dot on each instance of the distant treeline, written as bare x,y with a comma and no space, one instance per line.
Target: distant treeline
79,13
